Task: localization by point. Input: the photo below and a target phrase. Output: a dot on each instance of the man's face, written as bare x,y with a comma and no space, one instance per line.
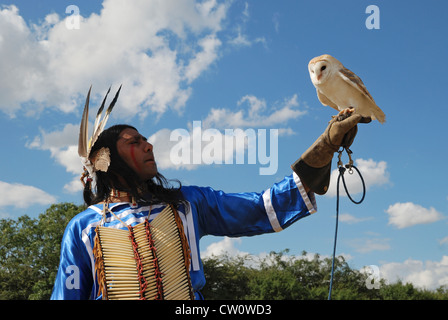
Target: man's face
137,153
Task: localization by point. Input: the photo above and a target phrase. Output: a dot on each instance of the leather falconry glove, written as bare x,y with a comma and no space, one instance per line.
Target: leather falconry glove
314,166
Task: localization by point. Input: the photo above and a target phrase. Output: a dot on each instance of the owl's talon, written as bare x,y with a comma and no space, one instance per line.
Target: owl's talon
345,113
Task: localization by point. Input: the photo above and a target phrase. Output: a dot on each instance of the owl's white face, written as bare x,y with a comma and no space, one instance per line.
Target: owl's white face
320,71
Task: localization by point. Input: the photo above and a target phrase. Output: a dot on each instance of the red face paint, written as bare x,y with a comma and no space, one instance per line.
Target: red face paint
133,158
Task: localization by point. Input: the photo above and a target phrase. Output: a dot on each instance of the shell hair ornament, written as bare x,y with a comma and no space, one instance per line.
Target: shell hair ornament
99,161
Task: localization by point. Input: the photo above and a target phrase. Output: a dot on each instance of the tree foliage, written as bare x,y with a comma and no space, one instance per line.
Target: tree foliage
30,248
286,277
29,252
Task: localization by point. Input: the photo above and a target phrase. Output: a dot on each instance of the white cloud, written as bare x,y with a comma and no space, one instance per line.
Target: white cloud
74,185
57,139
23,62
369,245
63,147
246,10
428,274
276,21
374,174
256,113
444,241
350,219
226,245
403,215
241,39
204,58
146,45
23,196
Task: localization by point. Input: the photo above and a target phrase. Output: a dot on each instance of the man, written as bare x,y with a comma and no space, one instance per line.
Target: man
123,173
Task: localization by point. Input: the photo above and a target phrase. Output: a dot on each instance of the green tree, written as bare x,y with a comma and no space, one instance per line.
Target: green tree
282,276
275,279
227,278
29,252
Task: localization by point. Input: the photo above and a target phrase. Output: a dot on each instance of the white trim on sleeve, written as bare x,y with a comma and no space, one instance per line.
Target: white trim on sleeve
309,199
270,211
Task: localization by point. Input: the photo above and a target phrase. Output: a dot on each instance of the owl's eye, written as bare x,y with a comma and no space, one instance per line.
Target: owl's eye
323,68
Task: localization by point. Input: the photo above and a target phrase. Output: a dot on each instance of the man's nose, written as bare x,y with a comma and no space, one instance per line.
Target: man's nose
148,147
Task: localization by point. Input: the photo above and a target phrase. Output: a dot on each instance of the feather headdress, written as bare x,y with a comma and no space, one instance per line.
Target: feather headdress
99,161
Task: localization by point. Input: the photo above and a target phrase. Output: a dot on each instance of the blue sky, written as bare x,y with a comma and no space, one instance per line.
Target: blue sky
240,64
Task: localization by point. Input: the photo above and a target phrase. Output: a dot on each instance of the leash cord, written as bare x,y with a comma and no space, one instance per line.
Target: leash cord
341,175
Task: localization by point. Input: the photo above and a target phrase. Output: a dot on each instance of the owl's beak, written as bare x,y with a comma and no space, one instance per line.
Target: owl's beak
319,76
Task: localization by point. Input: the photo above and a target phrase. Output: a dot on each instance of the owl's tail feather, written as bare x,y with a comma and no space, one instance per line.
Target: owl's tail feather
378,114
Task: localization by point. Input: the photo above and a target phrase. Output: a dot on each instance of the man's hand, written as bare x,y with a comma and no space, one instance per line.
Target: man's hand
314,166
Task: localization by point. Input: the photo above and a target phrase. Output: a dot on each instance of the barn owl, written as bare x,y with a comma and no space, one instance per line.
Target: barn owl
341,89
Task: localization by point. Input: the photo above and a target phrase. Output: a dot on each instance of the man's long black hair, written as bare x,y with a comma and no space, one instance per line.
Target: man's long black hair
121,177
